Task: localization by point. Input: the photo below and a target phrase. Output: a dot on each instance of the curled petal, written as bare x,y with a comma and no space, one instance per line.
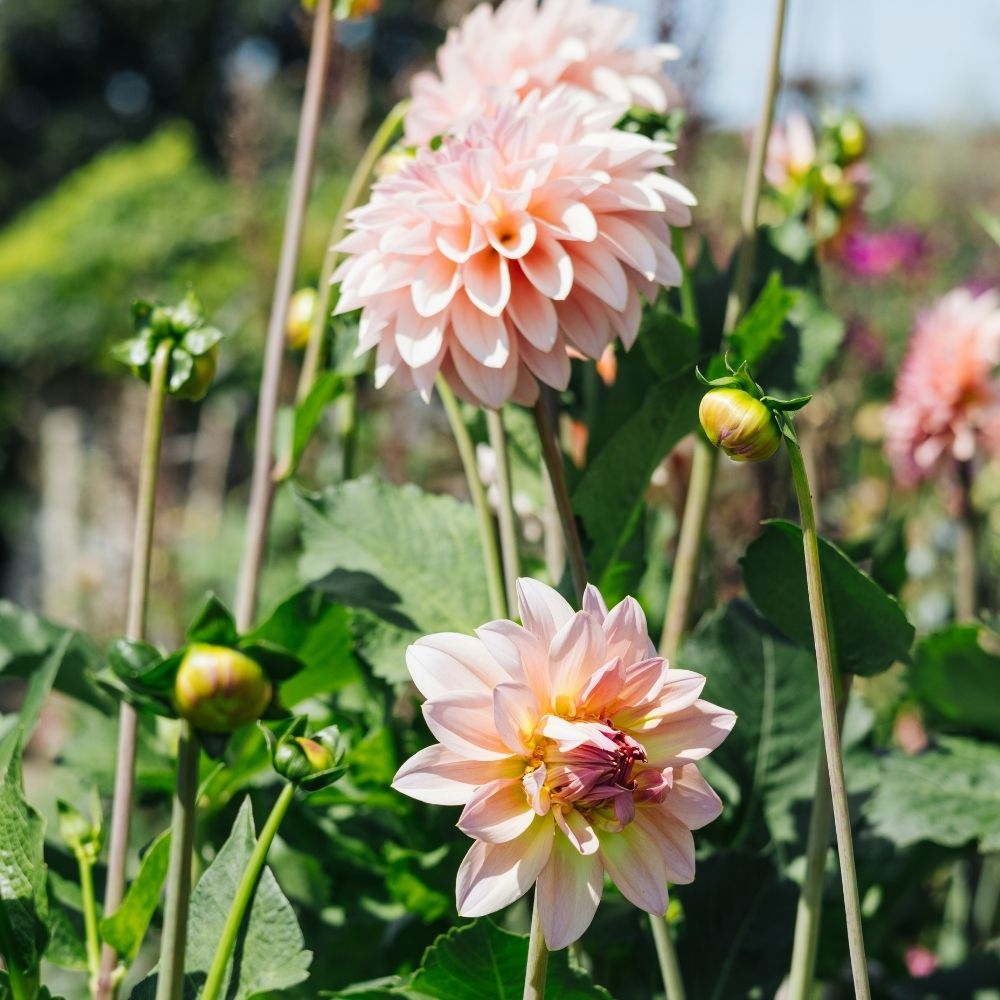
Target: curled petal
442,777
688,735
497,812
568,891
515,712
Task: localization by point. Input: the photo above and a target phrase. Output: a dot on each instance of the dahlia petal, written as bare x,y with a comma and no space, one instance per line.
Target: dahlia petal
603,688
434,285
484,337
691,799
532,313
548,267
486,277
568,891
627,632
641,683
573,653
567,219
490,385
492,876
522,655
578,830
569,735
688,735
629,244
463,722
635,863
673,840
552,367
515,712
543,610
448,662
585,321
593,603
513,235
497,812
442,777
419,342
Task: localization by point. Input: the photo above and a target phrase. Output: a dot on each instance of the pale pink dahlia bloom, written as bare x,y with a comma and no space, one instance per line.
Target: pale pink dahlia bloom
520,47
572,747
791,151
946,405
486,259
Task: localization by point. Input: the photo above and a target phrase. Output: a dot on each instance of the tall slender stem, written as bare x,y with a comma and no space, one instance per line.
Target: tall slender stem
89,905
487,534
170,978
546,415
355,190
244,894
508,525
135,628
261,485
966,576
538,959
666,956
810,906
828,708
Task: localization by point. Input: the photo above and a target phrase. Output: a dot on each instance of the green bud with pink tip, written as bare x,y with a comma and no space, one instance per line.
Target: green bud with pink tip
743,427
218,689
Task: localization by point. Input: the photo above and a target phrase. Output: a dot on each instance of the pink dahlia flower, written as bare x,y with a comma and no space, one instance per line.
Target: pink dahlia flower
572,747
791,152
520,47
487,258
946,406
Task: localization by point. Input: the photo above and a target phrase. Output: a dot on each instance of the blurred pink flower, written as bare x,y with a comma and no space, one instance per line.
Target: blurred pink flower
878,255
791,151
920,961
486,259
571,746
520,47
946,405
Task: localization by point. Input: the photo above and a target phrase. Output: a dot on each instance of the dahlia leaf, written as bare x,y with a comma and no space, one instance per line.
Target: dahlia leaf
869,628
763,324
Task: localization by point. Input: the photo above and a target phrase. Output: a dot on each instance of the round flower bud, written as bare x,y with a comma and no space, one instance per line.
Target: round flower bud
743,427
219,689
301,310
300,758
202,374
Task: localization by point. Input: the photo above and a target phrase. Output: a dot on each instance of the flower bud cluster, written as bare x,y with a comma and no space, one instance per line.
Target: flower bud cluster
311,762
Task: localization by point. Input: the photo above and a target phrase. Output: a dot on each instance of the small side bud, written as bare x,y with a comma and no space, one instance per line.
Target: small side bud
312,762
743,427
218,689
301,310
83,836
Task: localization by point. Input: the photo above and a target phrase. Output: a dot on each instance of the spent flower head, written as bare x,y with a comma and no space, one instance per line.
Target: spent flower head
572,747
486,259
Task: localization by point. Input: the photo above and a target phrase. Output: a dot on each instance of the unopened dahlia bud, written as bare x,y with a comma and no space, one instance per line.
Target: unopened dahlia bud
199,381
301,310
313,762
218,689
743,427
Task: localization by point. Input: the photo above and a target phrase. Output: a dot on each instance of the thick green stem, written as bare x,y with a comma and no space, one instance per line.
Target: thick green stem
244,894
23,984
508,525
538,959
355,190
966,575
807,918
828,709
546,422
666,956
89,905
135,628
170,978
487,534
262,484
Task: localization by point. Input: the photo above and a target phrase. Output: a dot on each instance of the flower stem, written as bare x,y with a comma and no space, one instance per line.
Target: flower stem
538,959
828,709
508,525
262,485
487,534
135,628
807,918
666,955
546,411
244,894
966,576
355,190
89,906
170,979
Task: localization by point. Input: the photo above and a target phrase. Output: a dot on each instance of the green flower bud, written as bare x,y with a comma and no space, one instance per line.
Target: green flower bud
218,689
743,427
202,374
298,323
312,762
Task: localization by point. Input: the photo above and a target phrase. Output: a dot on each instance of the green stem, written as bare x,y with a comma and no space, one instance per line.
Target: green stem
89,906
508,525
244,894
546,421
538,959
987,896
828,709
953,940
170,978
23,982
262,484
487,534
966,576
135,628
810,906
666,955
689,305
349,430
355,190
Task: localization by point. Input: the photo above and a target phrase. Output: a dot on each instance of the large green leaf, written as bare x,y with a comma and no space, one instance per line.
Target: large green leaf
949,795
653,404
269,954
763,323
480,961
24,901
411,559
956,677
869,629
770,755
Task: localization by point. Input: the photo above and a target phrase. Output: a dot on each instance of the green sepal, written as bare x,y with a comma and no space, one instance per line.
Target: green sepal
213,624
292,762
785,405
83,836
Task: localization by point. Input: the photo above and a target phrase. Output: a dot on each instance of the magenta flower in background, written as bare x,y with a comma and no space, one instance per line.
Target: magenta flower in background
521,47
946,405
895,251
538,230
572,747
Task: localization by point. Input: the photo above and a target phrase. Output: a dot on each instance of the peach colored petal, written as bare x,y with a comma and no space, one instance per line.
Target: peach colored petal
521,654
656,693
673,840
574,652
603,688
593,603
568,891
635,863
439,775
578,831
691,799
689,735
497,812
515,713
543,610
463,722
627,632
492,876
447,662
486,277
